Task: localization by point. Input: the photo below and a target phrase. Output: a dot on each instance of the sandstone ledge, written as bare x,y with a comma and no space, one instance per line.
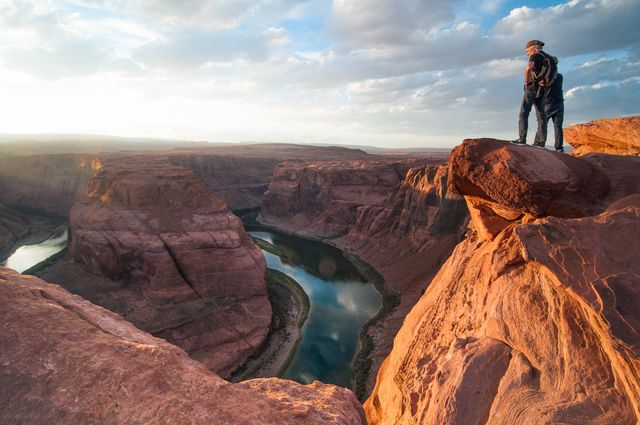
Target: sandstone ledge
66,361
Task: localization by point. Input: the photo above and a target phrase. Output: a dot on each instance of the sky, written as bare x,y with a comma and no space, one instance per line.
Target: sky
390,73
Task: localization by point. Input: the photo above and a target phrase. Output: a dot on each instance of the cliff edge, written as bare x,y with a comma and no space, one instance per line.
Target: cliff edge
534,317
72,362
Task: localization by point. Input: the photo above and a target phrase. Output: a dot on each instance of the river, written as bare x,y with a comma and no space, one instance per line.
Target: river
341,302
28,256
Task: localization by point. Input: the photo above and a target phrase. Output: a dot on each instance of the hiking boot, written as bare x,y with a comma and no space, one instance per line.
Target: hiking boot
536,145
560,149
518,142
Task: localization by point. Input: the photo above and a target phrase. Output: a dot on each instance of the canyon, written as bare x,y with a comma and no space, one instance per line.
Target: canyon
509,278
397,216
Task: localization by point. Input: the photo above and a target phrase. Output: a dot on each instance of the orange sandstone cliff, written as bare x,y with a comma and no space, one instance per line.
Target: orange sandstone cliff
72,362
616,136
534,317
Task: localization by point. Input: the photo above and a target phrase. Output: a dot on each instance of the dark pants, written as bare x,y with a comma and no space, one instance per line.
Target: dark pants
529,100
555,111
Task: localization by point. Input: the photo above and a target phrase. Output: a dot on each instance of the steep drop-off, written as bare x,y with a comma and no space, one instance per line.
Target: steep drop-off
152,242
401,220
534,317
72,362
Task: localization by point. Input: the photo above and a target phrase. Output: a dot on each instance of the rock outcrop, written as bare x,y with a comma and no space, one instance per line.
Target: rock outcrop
401,220
534,317
66,361
616,136
187,270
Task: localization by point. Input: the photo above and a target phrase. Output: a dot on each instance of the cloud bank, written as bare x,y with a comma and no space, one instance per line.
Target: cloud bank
392,73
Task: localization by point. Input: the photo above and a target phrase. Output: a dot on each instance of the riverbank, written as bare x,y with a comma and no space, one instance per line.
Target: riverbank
290,310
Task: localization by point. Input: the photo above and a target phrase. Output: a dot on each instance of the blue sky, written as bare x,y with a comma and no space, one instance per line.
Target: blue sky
373,72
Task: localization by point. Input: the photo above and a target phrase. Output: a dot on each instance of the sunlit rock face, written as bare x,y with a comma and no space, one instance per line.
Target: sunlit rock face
67,361
616,136
399,216
534,317
194,276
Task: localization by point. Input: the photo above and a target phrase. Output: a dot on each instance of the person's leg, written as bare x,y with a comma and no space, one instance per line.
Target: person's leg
558,117
541,117
528,99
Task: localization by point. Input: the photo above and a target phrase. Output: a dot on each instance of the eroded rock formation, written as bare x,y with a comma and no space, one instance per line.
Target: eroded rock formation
616,136
534,317
72,362
186,269
399,219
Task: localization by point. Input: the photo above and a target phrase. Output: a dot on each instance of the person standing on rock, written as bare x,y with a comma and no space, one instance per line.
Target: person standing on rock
541,72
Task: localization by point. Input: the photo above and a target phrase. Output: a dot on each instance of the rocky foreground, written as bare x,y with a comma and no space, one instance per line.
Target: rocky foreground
534,317
73,362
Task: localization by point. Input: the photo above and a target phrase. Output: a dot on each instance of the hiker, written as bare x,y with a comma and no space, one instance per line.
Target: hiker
554,109
541,72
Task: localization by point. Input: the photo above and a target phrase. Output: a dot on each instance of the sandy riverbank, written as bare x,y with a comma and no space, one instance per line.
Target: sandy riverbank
290,309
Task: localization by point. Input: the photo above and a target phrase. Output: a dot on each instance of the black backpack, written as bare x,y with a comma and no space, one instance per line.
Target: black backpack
549,71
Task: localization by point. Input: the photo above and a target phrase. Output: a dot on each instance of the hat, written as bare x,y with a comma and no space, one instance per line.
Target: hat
534,43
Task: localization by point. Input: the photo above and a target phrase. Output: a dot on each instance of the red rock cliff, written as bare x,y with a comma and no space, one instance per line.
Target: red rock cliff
66,361
534,317
189,272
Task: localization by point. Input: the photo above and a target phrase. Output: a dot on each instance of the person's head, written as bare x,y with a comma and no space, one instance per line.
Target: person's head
533,46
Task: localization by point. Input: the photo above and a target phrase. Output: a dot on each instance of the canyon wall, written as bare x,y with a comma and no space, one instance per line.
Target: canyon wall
152,242
616,136
44,184
72,362
12,227
397,215
242,174
534,317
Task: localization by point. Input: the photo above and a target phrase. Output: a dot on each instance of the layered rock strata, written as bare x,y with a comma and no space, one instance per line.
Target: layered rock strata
181,262
534,317
67,361
616,136
401,220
